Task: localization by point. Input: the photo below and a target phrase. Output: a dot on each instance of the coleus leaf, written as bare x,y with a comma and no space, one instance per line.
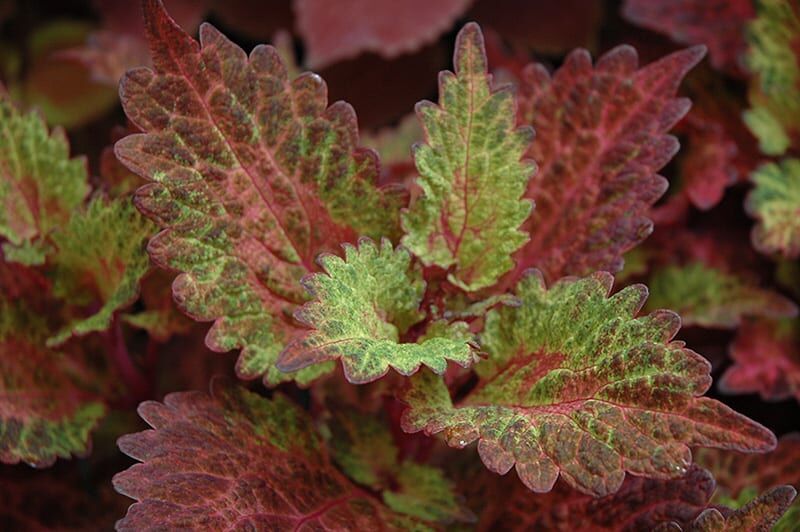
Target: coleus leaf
719,24
766,360
758,515
775,201
576,385
253,175
46,408
772,56
640,504
709,297
100,251
233,459
471,173
600,139
360,306
333,32
740,477
363,447
39,184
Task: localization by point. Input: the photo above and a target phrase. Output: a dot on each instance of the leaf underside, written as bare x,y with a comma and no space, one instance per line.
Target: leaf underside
577,386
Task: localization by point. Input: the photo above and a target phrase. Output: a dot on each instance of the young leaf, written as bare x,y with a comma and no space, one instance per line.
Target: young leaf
253,175
766,360
359,308
640,504
471,173
100,251
39,184
708,297
772,57
233,459
758,515
775,202
716,23
600,139
578,386
364,449
342,30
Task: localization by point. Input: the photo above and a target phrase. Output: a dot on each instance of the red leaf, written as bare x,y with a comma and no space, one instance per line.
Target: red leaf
640,504
766,360
234,460
341,30
719,24
600,138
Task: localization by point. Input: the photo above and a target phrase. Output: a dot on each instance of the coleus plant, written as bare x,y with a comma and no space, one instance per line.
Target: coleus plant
386,318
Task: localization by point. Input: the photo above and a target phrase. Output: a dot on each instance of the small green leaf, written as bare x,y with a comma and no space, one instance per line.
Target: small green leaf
772,56
775,203
471,173
709,297
359,309
39,184
100,251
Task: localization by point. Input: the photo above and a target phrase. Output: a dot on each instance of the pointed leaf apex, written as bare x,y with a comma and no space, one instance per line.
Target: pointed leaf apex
469,57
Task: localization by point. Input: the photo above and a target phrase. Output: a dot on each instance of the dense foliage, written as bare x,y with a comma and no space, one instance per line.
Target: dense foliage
337,321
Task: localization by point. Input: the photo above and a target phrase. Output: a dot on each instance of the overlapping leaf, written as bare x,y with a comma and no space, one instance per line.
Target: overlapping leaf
758,515
361,305
46,410
364,449
640,504
342,30
772,57
253,175
709,297
233,459
741,477
766,360
775,203
39,184
600,139
577,386
471,173
100,253
719,24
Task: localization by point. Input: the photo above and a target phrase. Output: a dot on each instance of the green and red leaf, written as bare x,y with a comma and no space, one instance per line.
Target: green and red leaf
360,306
100,255
708,297
233,459
252,175
576,385
601,136
471,173
40,185
774,202
773,57
758,515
